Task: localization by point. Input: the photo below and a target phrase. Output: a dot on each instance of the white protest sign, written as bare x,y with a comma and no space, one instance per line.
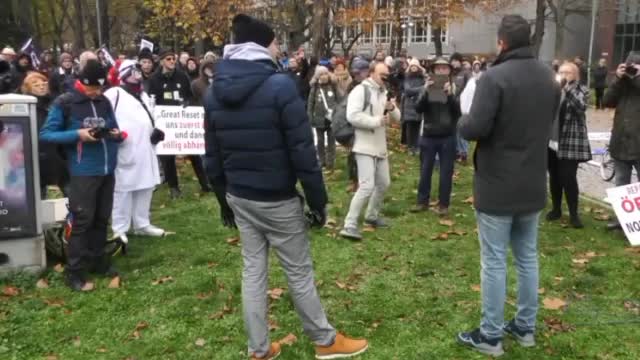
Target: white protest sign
626,203
146,44
183,130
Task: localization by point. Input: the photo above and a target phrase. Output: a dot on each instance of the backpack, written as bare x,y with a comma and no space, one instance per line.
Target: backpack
342,129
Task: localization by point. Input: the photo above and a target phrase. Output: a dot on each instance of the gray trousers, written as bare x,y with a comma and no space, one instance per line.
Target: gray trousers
624,170
280,225
374,180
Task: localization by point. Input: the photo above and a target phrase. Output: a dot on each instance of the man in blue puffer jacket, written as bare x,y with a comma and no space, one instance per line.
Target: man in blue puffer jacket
259,144
83,121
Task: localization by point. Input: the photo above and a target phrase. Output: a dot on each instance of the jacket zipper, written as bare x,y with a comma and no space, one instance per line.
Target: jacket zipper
104,144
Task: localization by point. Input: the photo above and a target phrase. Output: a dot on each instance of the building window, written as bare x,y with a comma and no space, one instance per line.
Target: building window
420,32
627,37
382,4
383,33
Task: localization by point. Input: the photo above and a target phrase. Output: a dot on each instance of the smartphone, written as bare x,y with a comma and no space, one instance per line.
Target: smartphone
436,90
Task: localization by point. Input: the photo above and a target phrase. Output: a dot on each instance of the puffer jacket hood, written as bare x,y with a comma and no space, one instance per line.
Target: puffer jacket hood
237,80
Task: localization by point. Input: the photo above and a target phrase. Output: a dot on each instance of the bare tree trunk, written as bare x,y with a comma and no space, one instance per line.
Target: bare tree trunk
538,34
319,28
104,22
78,26
437,39
560,20
36,20
396,37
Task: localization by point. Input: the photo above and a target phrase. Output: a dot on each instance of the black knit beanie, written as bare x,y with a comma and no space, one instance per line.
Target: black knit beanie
93,74
247,29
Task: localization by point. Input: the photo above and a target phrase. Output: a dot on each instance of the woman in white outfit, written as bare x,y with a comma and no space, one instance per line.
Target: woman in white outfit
137,173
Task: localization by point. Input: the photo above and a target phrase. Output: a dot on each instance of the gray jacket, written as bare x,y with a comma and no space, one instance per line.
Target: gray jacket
512,129
413,86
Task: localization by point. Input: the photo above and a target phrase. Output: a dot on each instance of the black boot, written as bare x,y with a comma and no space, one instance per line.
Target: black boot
554,215
175,193
575,222
103,267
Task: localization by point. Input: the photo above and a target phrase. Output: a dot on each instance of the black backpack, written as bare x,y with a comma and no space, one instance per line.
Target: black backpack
342,129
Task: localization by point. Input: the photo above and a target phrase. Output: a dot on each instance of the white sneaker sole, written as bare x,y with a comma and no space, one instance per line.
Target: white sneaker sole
342,356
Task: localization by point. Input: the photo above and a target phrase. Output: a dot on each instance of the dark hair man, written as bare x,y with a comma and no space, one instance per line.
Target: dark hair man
512,130
259,145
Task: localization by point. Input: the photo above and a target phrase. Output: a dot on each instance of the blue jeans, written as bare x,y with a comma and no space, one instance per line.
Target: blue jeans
445,149
462,146
496,233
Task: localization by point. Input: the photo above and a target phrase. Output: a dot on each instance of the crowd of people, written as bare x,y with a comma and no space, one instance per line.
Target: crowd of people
98,135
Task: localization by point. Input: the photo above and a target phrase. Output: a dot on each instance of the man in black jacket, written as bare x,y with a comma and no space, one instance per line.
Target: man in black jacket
599,82
512,130
440,116
171,86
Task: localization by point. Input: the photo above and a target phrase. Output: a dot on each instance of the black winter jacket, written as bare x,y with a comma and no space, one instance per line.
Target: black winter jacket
259,143
439,119
624,96
512,129
172,88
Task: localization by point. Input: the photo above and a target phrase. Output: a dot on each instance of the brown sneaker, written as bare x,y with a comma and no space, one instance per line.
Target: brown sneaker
343,347
273,353
442,211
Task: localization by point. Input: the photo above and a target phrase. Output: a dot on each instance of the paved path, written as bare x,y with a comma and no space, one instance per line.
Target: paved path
591,184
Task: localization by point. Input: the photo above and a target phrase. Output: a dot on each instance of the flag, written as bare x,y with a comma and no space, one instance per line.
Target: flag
107,55
30,49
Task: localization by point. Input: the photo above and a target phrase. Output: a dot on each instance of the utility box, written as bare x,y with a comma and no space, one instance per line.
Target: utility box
21,239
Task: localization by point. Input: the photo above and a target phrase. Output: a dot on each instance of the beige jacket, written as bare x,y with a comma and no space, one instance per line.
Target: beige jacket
370,131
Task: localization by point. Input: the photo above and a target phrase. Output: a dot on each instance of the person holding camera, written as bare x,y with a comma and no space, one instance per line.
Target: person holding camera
369,110
624,95
440,111
323,99
137,173
83,121
569,144
259,144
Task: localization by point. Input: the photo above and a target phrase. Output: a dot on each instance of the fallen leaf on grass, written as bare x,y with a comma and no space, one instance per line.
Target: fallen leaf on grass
139,327
632,306
276,293
553,303
558,326
541,291
288,340
273,325
558,278
200,342
234,240
114,283
633,250
443,236
42,284
602,217
344,286
51,357
76,341
211,264
368,229
476,287
220,314
469,200
54,302
58,268
10,291
448,223
162,280
457,232
101,350
204,296
580,262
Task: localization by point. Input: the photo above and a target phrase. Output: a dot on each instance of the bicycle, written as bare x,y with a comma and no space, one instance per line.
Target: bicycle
607,164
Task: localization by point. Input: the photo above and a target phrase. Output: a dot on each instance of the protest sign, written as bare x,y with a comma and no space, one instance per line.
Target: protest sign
146,44
183,130
626,203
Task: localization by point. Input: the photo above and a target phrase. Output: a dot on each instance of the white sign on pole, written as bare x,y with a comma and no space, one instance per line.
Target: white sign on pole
146,44
626,203
183,130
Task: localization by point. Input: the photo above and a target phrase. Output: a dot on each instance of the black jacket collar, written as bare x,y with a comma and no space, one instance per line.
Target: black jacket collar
518,53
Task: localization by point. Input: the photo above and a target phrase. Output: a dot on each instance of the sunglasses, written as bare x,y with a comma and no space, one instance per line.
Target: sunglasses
170,59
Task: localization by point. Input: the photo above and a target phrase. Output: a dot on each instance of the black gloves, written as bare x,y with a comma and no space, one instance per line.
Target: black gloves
156,136
317,218
226,214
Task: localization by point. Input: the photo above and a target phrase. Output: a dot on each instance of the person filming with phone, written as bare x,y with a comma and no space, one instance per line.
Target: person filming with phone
440,111
624,96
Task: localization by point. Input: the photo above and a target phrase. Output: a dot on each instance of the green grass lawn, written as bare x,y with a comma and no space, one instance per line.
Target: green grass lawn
406,292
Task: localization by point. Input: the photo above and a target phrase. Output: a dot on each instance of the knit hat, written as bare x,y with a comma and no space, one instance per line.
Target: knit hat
633,58
165,53
456,56
145,53
247,29
65,56
359,64
415,62
93,73
126,68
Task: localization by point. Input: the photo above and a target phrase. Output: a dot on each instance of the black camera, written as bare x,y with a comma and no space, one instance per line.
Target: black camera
631,70
99,133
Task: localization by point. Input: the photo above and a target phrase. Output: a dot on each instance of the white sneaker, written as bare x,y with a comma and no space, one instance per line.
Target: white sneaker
150,231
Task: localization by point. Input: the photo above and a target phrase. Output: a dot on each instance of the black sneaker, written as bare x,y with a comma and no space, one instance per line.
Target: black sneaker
480,343
77,282
175,193
525,338
576,223
554,215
